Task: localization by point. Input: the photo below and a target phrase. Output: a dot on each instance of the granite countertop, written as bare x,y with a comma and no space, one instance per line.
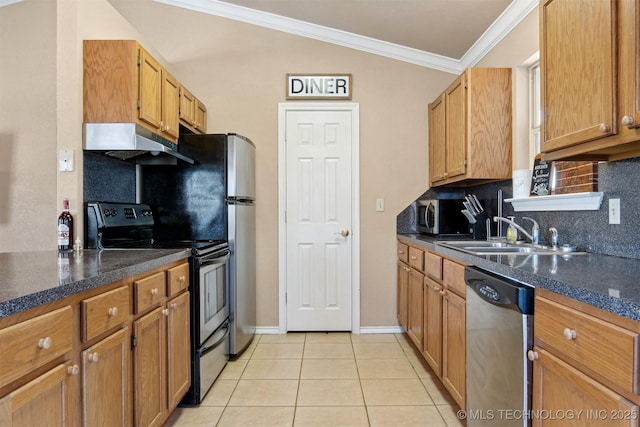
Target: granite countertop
29,279
607,282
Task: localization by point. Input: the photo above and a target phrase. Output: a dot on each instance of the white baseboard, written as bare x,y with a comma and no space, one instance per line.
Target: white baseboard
381,330
274,330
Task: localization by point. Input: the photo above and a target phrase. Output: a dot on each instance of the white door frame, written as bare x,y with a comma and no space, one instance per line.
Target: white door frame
354,108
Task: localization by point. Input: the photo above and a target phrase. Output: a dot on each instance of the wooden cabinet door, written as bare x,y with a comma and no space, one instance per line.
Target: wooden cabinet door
578,71
201,117
558,388
150,90
432,349
105,381
45,400
187,107
178,349
403,295
170,106
454,347
149,369
629,66
416,309
437,140
456,127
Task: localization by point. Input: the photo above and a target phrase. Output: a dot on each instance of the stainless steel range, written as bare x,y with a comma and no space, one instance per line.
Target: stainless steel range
122,225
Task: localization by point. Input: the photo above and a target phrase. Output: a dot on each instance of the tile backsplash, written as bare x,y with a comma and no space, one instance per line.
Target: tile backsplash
589,230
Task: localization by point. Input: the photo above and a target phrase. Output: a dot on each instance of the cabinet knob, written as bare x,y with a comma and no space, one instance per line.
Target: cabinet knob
113,311
182,279
73,370
413,257
605,128
441,292
154,291
532,355
569,334
174,305
400,252
627,121
93,357
45,343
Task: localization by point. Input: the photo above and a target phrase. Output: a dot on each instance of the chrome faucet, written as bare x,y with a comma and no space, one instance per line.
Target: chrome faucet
534,236
554,236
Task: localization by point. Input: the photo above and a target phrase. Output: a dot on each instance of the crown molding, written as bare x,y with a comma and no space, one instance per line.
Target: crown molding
8,2
516,11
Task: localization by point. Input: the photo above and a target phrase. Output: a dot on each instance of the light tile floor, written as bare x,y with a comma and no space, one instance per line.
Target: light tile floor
325,379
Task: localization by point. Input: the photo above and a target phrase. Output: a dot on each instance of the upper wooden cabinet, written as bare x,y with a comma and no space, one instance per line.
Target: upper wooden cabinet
123,83
590,79
193,113
470,128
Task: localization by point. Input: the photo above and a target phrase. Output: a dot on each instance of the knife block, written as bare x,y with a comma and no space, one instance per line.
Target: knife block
479,229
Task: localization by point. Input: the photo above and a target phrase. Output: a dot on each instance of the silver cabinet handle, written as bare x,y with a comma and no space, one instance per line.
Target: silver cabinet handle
627,121
344,232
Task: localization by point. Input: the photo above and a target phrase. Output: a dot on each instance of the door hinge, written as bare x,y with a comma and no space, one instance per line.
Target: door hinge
134,342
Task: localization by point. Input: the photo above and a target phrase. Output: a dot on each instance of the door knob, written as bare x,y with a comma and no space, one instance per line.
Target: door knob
344,232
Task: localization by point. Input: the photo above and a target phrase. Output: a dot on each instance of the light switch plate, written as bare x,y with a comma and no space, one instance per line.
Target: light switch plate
379,205
65,162
614,211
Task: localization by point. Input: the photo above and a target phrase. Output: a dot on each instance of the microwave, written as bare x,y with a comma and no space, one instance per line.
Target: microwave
442,217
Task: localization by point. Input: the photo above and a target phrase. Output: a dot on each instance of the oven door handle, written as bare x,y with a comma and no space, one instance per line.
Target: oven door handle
219,258
206,348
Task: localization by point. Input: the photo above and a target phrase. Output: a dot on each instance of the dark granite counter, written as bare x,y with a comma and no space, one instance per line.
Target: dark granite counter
607,282
29,279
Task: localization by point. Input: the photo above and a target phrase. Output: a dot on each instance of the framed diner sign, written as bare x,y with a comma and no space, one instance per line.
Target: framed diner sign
319,86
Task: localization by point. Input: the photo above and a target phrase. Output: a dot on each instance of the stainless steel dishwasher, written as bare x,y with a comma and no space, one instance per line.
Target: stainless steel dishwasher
499,334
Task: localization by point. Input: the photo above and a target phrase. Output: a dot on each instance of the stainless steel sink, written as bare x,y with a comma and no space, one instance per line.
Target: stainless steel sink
479,247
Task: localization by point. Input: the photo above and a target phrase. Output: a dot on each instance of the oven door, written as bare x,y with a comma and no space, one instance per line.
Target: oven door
213,278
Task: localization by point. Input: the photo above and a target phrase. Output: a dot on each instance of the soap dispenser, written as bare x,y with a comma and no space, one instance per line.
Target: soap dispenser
512,232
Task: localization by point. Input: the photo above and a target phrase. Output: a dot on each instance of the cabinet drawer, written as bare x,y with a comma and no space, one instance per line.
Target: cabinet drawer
416,258
600,346
149,291
453,277
33,343
403,252
104,312
433,265
177,279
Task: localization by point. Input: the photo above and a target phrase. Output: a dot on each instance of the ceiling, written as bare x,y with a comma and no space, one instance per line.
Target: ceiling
449,35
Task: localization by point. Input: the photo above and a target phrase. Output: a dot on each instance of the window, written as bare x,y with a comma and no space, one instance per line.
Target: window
534,109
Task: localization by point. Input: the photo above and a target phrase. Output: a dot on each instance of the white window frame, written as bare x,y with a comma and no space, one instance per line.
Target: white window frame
535,110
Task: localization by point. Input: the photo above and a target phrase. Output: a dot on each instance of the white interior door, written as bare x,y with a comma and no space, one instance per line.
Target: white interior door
319,219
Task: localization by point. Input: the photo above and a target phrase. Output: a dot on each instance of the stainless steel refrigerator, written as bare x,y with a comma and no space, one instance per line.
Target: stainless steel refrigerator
213,199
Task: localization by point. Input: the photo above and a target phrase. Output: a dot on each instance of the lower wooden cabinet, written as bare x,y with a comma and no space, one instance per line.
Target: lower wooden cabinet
434,290
559,388
416,307
432,349
149,367
106,376
454,346
161,361
120,356
44,398
178,349
403,294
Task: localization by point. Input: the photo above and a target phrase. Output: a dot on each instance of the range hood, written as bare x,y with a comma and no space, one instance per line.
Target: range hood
129,141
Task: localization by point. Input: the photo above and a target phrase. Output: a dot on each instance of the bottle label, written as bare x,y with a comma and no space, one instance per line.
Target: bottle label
63,235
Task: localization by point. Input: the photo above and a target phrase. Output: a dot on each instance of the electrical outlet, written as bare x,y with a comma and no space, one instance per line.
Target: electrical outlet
614,211
65,163
379,205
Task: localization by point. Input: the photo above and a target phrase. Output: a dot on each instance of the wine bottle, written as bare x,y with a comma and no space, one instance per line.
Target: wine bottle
65,229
